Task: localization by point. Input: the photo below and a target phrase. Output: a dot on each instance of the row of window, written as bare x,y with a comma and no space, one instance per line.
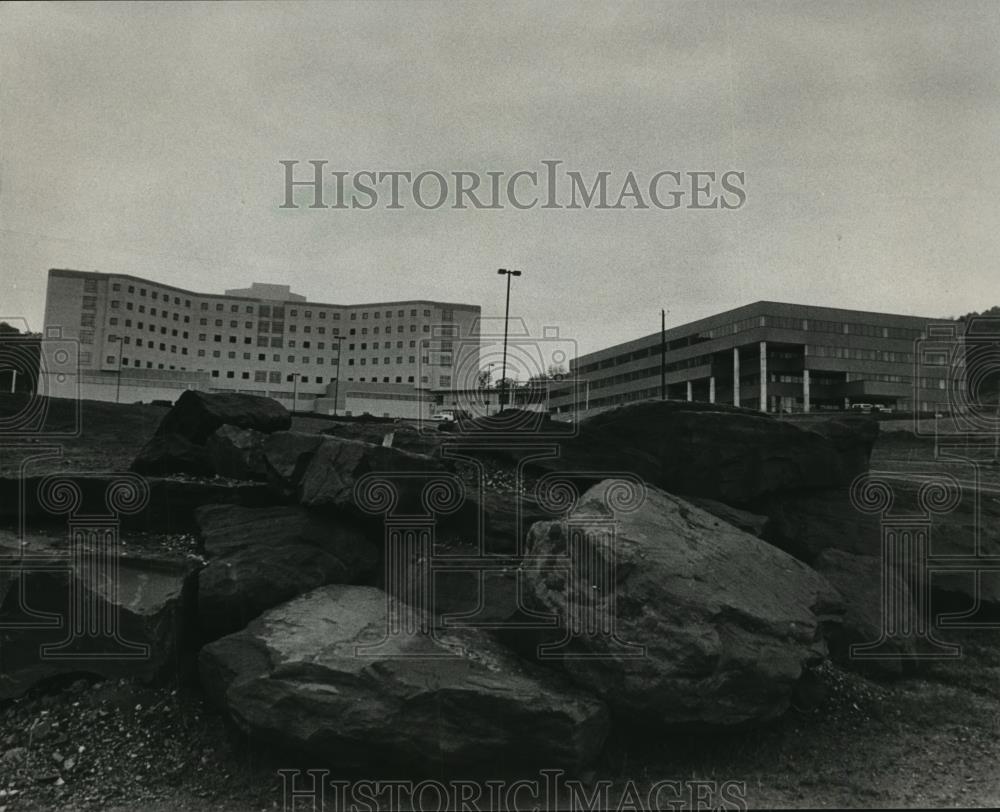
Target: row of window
784,322
858,354
269,311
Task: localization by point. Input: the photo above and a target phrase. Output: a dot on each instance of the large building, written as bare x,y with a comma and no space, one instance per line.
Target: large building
138,339
773,357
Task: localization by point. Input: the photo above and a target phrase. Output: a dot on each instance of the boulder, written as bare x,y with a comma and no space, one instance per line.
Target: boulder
150,602
196,415
238,453
735,456
167,454
853,436
858,579
264,557
486,593
807,524
338,464
294,679
287,455
752,523
712,625
504,516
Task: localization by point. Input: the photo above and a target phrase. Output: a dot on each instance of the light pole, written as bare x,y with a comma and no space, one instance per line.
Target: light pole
336,380
295,389
118,381
506,319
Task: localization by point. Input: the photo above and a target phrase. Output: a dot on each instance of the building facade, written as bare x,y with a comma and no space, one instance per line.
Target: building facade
139,339
770,356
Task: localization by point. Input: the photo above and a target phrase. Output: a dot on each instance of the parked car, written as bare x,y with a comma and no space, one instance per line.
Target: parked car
862,407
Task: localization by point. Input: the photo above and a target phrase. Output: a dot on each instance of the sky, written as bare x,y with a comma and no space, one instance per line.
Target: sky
146,139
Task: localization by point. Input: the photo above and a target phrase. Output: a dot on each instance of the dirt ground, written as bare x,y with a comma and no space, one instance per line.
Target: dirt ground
930,740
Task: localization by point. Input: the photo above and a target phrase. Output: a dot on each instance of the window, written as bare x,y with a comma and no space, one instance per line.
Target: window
230,374
245,376
260,376
218,338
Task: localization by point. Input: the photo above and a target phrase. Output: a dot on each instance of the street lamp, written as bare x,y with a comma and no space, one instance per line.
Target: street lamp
295,389
118,380
336,380
506,319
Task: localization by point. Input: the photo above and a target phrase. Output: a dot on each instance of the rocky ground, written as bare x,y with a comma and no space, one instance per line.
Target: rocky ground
849,742
931,739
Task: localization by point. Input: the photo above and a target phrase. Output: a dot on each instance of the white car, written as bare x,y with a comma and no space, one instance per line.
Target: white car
443,417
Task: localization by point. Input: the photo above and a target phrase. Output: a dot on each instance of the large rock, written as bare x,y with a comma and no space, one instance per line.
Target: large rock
732,455
170,507
287,455
294,679
728,622
264,557
752,523
238,453
196,415
808,524
485,594
167,454
859,580
338,464
142,615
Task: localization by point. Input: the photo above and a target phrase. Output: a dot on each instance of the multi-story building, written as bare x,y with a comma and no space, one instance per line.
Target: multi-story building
141,340
770,356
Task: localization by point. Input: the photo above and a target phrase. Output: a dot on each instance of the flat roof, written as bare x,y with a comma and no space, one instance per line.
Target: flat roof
762,307
73,273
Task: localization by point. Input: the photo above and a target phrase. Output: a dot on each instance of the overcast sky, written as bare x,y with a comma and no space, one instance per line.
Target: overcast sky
145,139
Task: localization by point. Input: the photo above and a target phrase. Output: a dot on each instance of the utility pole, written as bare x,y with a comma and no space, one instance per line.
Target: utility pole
663,354
506,319
336,380
118,382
